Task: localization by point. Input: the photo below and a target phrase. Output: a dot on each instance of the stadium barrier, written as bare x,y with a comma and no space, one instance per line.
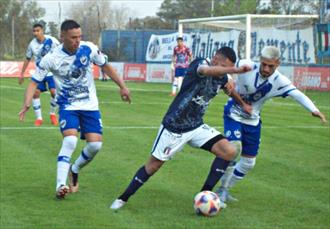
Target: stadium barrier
310,77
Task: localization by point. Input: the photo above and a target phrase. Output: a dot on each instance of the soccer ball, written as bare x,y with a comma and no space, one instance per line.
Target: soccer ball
207,203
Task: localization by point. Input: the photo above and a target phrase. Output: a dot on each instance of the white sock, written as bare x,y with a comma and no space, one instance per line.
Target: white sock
86,156
175,85
63,161
243,166
37,108
180,79
227,177
52,106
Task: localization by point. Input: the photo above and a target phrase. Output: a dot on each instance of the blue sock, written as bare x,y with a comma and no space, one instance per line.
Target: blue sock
218,168
138,180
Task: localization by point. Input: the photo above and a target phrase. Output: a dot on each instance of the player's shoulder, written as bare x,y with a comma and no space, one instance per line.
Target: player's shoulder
88,44
252,64
279,78
52,38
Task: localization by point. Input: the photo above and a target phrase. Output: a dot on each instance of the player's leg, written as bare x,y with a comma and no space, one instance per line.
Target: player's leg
213,141
174,86
36,103
161,152
250,146
53,105
69,124
91,130
180,78
233,133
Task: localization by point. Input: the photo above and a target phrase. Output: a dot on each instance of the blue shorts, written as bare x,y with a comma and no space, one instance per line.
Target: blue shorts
180,72
84,121
47,80
247,134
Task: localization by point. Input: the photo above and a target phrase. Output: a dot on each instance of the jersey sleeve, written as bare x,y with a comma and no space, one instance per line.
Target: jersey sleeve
97,57
29,53
42,70
283,85
201,64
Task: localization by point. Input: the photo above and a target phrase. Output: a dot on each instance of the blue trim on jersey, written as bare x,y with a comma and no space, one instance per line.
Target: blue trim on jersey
35,80
285,94
70,54
157,140
256,81
63,159
276,77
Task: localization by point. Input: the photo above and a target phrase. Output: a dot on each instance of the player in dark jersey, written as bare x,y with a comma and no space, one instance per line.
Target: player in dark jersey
183,122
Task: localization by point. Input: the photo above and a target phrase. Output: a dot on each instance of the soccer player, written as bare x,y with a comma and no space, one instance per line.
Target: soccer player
40,45
243,130
183,122
180,59
71,64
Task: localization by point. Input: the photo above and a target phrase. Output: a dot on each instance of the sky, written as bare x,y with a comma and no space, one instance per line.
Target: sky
141,8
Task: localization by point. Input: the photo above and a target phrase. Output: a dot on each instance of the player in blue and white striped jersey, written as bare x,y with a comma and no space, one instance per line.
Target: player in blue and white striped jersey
71,63
39,46
242,129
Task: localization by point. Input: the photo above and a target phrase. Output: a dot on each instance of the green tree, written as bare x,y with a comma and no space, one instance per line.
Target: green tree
292,7
148,23
53,29
16,20
234,7
173,10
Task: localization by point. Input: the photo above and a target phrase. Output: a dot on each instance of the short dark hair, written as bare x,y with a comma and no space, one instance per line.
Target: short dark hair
38,24
228,53
179,39
69,24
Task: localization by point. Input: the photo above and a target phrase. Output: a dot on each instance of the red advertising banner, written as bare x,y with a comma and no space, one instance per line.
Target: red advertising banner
135,72
14,68
312,78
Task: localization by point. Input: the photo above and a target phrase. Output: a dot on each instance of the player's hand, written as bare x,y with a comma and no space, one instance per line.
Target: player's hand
21,80
247,108
229,87
243,69
319,115
21,114
125,94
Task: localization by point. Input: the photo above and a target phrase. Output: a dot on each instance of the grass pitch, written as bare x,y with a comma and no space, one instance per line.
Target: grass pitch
288,188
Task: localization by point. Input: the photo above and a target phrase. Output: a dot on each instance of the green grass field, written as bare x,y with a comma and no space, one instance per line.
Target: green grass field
288,188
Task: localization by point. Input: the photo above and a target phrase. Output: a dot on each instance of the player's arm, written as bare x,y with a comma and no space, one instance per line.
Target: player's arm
124,92
25,64
35,80
27,99
220,71
229,89
303,100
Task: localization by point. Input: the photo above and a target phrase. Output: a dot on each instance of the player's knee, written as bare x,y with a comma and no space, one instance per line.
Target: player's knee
246,164
94,147
36,94
52,92
70,142
238,148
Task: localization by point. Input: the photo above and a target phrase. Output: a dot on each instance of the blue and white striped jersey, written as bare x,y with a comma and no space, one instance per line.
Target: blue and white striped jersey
75,87
256,90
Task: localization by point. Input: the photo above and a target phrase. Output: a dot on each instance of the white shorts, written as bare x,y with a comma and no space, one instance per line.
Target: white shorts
167,143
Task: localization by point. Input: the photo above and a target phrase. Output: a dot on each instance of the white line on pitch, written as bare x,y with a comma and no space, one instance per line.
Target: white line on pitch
151,127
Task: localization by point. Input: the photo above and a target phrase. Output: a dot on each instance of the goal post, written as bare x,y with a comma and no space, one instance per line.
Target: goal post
252,24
